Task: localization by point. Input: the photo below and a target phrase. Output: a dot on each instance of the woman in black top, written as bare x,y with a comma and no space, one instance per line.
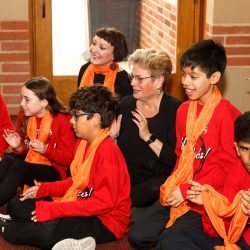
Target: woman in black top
147,125
108,47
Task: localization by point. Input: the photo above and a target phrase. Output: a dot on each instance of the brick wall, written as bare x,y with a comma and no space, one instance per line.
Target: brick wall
158,26
235,38
14,61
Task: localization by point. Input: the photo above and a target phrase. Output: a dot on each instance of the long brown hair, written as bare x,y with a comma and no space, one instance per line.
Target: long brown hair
43,89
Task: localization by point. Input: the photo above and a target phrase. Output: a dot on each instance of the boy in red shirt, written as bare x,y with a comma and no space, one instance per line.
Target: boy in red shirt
43,142
238,180
204,148
95,201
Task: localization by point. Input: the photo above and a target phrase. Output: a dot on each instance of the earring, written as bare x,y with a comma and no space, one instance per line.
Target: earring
158,91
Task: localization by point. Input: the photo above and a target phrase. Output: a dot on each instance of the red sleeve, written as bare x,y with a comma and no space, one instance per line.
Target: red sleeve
5,123
54,189
18,129
184,188
61,144
104,178
233,184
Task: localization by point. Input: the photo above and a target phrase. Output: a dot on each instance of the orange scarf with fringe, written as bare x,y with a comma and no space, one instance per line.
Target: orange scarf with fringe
33,156
194,128
218,206
81,165
110,75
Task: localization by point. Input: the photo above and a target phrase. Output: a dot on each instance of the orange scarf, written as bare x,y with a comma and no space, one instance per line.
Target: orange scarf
81,165
110,75
33,156
194,128
218,206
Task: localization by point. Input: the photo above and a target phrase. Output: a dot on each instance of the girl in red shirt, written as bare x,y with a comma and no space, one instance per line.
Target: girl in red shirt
44,135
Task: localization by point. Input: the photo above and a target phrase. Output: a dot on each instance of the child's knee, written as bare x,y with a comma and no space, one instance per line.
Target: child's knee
134,238
142,238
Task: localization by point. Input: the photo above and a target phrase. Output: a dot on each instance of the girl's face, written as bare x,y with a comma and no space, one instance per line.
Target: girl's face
101,51
31,104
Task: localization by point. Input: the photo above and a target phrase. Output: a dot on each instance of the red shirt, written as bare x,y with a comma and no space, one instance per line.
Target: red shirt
5,123
238,179
61,142
214,150
110,199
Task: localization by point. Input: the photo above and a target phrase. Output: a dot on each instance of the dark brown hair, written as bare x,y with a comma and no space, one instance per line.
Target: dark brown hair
242,128
208,55
43,89
95,99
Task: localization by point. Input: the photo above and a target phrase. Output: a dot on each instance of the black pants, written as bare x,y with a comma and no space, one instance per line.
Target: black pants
15,172
186,233
144,234
46,234
146,193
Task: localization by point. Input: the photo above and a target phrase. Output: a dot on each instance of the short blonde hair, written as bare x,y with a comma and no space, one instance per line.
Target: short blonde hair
157,62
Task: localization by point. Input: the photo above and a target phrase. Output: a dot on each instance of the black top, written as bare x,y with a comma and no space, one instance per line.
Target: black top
122,82
142,162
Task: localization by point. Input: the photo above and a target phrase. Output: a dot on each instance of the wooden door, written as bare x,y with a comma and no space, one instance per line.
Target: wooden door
190,29
190,26
40,16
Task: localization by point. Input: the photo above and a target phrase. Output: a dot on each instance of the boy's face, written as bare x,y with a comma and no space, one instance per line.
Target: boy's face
243,151
196,84
81,124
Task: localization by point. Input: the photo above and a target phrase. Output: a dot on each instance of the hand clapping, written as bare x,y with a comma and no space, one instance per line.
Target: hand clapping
12,138
115,127
142,124
38,146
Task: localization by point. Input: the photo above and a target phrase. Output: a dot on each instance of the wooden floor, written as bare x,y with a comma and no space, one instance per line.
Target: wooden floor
117,245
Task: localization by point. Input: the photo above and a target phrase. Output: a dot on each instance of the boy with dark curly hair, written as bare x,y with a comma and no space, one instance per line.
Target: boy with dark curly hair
95,201
232,226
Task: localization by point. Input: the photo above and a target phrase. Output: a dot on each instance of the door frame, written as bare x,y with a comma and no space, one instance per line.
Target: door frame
190,29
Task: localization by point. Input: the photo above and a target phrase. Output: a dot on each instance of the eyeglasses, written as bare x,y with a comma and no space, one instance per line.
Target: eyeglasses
138,79
76,115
